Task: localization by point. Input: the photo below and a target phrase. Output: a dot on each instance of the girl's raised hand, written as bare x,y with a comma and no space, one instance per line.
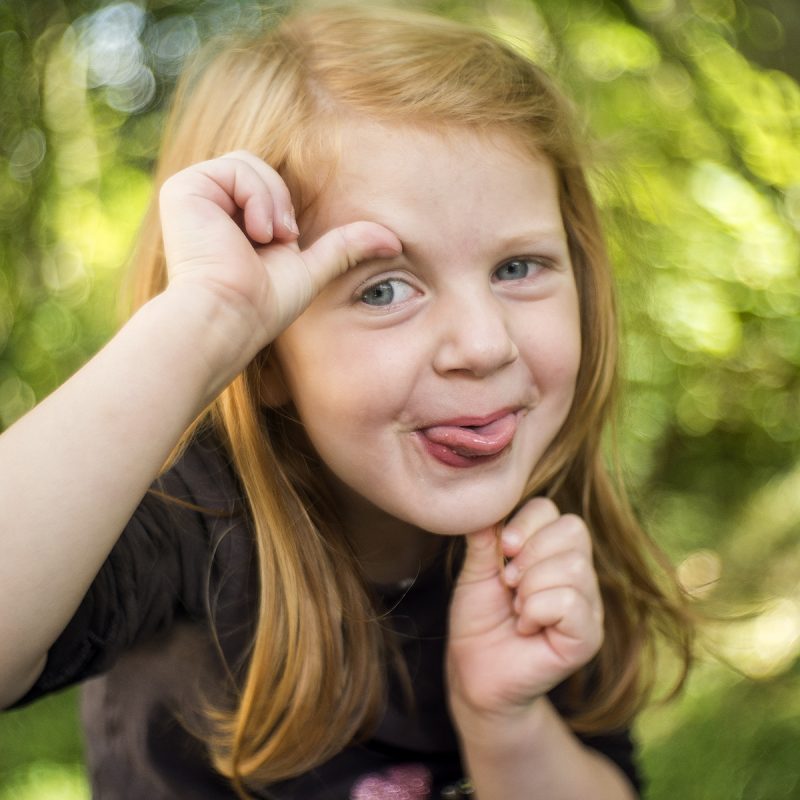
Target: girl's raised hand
518,630
229,229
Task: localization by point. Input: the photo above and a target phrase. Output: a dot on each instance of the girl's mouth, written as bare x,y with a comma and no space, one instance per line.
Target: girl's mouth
458,443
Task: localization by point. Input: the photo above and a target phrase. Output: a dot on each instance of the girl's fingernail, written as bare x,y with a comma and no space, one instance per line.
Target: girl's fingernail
511,539
511,574
290,222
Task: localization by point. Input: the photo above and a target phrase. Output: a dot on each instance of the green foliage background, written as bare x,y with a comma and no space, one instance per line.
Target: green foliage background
694,106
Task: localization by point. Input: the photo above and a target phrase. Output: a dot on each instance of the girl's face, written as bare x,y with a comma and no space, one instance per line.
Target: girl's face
431,384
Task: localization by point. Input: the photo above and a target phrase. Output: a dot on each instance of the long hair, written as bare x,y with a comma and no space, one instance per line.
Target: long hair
315,676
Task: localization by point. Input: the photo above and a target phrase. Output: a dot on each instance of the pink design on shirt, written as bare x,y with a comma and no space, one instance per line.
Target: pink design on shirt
408,782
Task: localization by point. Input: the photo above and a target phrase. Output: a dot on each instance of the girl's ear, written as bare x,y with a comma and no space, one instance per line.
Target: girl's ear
273,391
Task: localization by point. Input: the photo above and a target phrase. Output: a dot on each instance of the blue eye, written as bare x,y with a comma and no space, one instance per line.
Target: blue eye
513,270
386,292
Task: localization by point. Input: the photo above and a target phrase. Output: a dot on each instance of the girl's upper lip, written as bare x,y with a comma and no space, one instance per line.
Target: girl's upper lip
472,421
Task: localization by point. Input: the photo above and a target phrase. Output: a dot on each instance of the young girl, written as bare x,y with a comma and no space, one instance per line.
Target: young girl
375,347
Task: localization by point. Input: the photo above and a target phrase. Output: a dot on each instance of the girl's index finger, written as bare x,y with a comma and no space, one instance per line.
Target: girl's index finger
280,210
566,534
533,516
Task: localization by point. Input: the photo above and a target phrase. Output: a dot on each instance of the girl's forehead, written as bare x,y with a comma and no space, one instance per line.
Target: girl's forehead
360,139
415,179
351,153
344,142
372,158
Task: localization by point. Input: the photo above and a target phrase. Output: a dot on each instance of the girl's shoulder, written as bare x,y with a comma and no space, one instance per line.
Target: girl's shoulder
185,555
201,477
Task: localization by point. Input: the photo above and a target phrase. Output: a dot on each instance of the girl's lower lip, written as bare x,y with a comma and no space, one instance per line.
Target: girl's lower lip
466,446
451,458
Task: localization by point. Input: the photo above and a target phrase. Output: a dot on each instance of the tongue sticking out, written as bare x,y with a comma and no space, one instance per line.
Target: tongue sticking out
483,440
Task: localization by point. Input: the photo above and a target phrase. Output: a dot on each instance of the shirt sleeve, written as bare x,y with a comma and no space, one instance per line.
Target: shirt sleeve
158,570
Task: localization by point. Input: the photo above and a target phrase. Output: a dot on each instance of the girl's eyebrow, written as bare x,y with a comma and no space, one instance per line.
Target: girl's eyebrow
546,235
367,265
533,236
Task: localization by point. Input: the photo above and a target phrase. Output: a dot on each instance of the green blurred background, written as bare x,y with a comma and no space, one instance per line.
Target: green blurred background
694,107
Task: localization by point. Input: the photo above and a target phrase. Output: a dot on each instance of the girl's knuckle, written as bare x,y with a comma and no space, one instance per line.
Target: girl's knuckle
571,601
546,506
576,566
577,532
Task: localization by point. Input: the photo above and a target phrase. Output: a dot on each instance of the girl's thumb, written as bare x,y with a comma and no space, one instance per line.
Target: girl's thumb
483,559
342,248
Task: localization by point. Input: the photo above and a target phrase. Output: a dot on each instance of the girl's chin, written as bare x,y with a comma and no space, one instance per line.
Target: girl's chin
464,521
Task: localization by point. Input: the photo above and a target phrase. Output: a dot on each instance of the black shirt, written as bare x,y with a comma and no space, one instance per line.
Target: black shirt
142,641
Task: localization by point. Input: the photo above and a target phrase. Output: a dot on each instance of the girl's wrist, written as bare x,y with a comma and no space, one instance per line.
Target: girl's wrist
213,340
533,752
500,729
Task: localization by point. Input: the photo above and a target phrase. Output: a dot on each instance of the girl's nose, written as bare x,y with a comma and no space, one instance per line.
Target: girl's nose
474,337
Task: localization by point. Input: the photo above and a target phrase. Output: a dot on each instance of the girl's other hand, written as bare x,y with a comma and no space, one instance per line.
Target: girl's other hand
229,229
519,629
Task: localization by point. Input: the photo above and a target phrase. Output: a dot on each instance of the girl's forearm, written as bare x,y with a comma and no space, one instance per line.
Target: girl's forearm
73,470
536,755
